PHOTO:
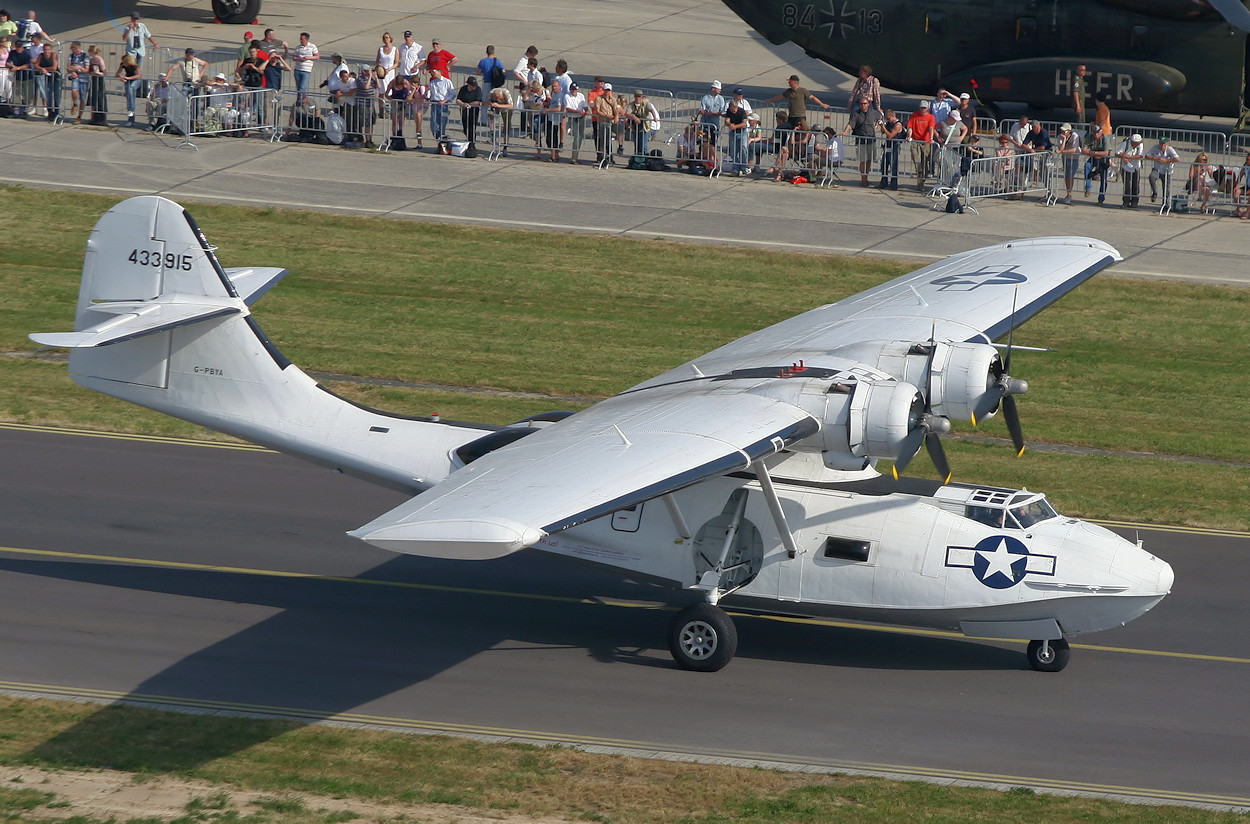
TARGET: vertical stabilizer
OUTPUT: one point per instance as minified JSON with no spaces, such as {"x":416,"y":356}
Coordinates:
{"x":161,"y":324}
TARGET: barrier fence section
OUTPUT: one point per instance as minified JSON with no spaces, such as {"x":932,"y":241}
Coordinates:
{"x":195,"y":112}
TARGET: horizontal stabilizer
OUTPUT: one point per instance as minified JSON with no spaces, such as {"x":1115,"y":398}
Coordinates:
{"x":462,"y":540}
{"x":126,"y":320}
{"x":253,"y":282}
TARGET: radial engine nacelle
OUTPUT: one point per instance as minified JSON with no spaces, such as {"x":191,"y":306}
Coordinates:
{"x":963,"y":381}
{"x":860,"y":419}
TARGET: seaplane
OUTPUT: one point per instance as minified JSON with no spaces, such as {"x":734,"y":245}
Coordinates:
{"x":746,"y":477}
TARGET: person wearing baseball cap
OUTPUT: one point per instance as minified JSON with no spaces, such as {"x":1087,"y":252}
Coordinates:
{"x":796,"y":98}
{"x":712,"y":108}
{"x":922,"y":129}
{"x":411,"y":57}
{"x":1069,"y":149}
{"x":134,"y":36}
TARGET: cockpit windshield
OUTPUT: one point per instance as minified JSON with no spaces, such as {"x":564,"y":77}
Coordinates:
{"x":1031,"y":509}
{"x":1028,"y":513}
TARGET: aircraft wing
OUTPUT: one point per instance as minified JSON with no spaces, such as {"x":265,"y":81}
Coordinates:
{"x":621,"y":452}
{"x":716,"y":414}
{"x":973,"y":296}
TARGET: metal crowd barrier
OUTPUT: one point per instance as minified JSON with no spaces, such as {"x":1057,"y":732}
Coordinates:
{"x":206,"y":111}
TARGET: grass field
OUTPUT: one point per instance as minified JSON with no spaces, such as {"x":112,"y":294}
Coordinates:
{"x":510,"y":782}
{"x":1138,"y":365}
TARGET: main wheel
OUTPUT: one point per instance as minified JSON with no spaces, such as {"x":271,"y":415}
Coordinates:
{"x":1048,"y":656}
{"x":702,"y":638}
{"x":236,"y":11}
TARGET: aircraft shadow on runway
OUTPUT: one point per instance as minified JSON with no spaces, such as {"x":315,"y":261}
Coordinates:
{"x":337,"y":646}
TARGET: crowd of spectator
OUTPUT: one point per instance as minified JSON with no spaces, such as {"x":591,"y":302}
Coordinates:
{"x":371,"y":103}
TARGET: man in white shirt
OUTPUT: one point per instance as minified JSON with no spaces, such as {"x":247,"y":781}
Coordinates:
{"x":575,"y":108}
{"x":1131,"y":153}
{"x":442,"y":92}
{"x":304,"y":55}
{"x":411,"y":57}
{"x":521,"y":72}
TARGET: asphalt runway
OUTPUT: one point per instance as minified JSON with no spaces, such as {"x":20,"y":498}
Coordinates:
{"x":220,"y":578}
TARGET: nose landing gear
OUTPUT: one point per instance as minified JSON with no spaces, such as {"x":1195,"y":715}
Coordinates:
{"x":1048,"y":656}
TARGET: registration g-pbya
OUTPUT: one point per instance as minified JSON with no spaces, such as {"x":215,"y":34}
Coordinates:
{"x":746,"y":476}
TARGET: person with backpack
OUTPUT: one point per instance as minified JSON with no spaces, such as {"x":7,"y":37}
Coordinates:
{"x":27,"y":29}
{"x":492,"y":71}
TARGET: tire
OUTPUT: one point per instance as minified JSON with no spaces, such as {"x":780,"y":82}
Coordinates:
{"x":1055,"y":657}
{"x":702,"y":638}
{"x":236,"y":11}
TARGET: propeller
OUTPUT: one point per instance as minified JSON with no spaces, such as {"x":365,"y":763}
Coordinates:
{"x":1002,"y":390}
{"x":928,"y":426}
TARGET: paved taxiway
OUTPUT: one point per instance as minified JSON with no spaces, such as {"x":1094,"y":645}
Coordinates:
{"x":220,"y":577}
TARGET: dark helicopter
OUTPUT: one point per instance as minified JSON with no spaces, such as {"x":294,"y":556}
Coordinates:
{"x":1184,"y":56}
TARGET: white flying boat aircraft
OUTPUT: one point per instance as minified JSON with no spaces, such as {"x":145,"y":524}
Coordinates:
{"x":747,"y":473}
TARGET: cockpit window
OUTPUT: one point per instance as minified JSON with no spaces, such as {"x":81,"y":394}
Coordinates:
{"x":988,"y":515}
{"x":1038,"y":509}
{"x":1020,"y":516}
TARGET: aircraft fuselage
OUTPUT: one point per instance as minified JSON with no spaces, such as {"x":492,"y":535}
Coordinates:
{"x":1171,"y":55}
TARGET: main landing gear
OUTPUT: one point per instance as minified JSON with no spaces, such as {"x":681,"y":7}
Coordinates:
{"x":702,"y":638}
{"x":1048,"y":656}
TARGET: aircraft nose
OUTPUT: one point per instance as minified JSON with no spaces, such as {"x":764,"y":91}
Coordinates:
{"x":1166,"y":577}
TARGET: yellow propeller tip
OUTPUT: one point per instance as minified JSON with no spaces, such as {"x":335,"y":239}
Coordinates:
{"x":894,"y":469}
{"x":1020,"y":453}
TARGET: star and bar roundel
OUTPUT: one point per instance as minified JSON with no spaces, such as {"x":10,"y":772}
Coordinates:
{"x":1000,"y":561}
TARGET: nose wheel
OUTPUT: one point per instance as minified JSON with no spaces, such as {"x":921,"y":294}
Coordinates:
{"x":1048,"y":656}
{"x":702,"y":638}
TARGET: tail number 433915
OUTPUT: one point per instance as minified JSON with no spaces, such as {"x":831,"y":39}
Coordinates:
{"x":144,"y":257}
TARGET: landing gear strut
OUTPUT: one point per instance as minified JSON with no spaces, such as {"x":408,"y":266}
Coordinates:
{"x":1048,"y":656}
{"x":702,"y":638}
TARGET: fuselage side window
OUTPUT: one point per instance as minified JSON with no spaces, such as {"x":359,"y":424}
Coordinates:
{"x":846,"y":549}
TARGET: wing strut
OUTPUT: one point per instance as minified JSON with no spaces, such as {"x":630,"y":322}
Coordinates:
{"x":710,"y":581}
{"x":679,"y":520}
{"x":774,"y":506}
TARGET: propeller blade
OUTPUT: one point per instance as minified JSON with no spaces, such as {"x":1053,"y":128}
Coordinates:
{"x":911,"y":445}
{"x":988,"y":405}
{"x":938,"y":455}
{"x":1012,"y":418}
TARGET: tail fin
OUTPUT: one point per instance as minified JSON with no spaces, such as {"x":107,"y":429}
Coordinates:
{"x":161,"y":324}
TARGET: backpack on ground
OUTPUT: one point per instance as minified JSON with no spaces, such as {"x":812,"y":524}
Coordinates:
{"x":398,"y":144}
{"x":953,"y":205}
{"x":637,"y":162}
{"x":655,"y":161}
